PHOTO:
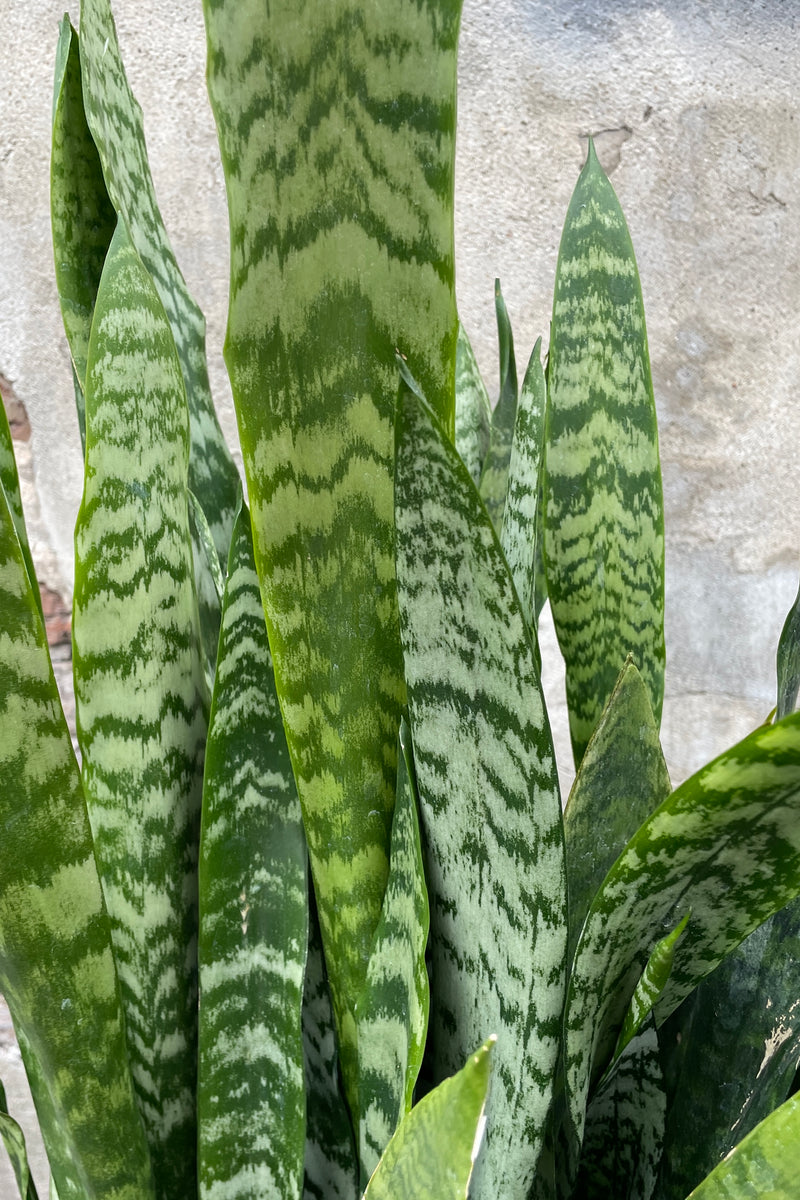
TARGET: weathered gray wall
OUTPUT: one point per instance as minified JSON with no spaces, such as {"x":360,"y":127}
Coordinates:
{"x":696,"y":112}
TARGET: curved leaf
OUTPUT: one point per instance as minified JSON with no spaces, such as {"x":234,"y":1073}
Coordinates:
{"x":651,"y":985}
{"x":433,"y":1152}
{"x":726,"y":844}
{"x":491,"y":813}
{"x":9,"y":482}
{"x":765,"y":1166}
{"x":14,"y":1141}
{"x":494,"y":476}
{"x":339,"y":118}
{"x":141,"y":701}
{"x":253,"y":917}
{"x":115,"y":121}
{"x":56,"y":965}
{"x":604,"y":523}
{"x":789,"y":661}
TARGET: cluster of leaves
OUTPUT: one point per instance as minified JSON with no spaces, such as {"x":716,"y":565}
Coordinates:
{"x":349,"y":681}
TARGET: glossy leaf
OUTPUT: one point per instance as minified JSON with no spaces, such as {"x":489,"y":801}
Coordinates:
{"x":521,"y":516}
{"x":731,"y":1050}
{"x":14,"y":1141}
{"x":141,"y":699}
{"x":115,"y":121}
{"x":473,"y":411}
{"x":432,"y":1155}
{"x":789,"y":661}
{"x":491,"y":814}
{"x":253,"y":917}
{"x":765,"y":1166}
{"x":625,"y":1126}
{"x":392,"y":1012}
{"x":331,"y":1171}
{"x":82,"y":216}
{"x":336,"y":124}
{"x":621,"y":779}
{"x":725,"y":845}
{"x":604,"y":524}
{"x":494,"y":477}
{"x":56,"y":965}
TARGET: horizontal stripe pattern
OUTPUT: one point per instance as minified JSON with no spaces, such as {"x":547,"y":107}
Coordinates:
{"x":141,"y":700}
{"x":253,"y":918}
{"x":604,"y":524}
{"x":56,"y":965}
{"x":491,"y":814}
{"x":336,"y":127}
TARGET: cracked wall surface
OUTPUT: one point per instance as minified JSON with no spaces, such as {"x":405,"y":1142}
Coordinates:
{"x":696,"y":113}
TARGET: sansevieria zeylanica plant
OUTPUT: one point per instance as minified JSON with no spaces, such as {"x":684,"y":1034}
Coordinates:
{"x":308,"y":921}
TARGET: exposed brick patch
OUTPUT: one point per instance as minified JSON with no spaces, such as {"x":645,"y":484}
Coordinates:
{"x":15,"y":411}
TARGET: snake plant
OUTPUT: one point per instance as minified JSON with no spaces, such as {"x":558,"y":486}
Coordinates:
{"x":308,"y":919}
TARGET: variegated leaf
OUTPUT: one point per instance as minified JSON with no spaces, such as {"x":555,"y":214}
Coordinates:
{"x":209,"y":582}
{"x":650,"y":988}
{"x":604,"y":524}
{"x":473,"y":411}
{"x":392,"y":1012}
{"x":14,"y":1141}
{"x":140,"y":695}
{"x":81,"y":214}
{"x":625,"y":1126}
{"x":431,"y":1157}
{"x":491,"y":813}
{"x":789,"y":661}
{"x":56,"y":965}
{"x":494,"y":476}
{"x":731,"y":1051}
{"x":621,"y":779}
{"x":764,"y":1166}
{"x":253,"y":918}
{"x":115,"y":121}
{"x":9,"y":482}
{"x":521,"y":525}
{"x":725,"y":845}
{"x":336,"y":123}
{"x":331,"y":1170}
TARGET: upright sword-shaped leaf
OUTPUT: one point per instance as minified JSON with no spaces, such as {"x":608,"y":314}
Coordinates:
{"x":789,"y":661}
{"x":140,"y":694}
{"x":253,"y":917}
{"x":473,"y":412}
{"x":115,"y":121}
{"x":604,"y":523}
{"x":336,"y":123}
{"x":56,"y":965}
{"x":491,"y":813}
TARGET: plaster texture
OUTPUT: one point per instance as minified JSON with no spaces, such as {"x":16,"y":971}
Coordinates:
{"x":695,"y":109}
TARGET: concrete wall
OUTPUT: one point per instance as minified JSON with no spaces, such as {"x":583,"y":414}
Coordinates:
{"x":695,"y":108}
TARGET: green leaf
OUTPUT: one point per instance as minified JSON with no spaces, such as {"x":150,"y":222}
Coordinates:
{"x":9,"y":482}
{"x":338,"y":156}
{"x":14,"y":1141}
{"x":331,"y":1171}
{"x":731,"y":1050}
{"x":115,"y":121}
{"x":473,"y":411}
{"x":789,"y":661}
{"x":494,"y":477}
{"x":81,"y":213}
{"x":253,"y":917}
{"x":392,"y":1012}
{"x":604,"y":523}
{"x":765,"y":1166}
{"x":651,"y":985}
{"x":140,"y":694}
{"x":726,"y":844}
{"x":56,"y":965}
{"x":432,"y":1155}
{"x":519,"y":535}
{"x":491,"y":814}
{"x":209,"y":582}
{"x":621,"y":779}
{"x":625,"y":1126}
